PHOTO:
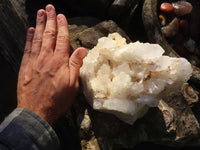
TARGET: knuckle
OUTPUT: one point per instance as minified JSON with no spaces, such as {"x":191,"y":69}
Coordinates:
{"x":62,"y":23}
{"x":37,"y":39}
{"x":29,"y":37}
{"x":75,"y":63}
{"x":51,"y":16}
{"x":27,"y":51}
{"x":61,"y":50}
{"x":50,"y":33}
{"x":62,"y":38}
{"x":40,"y":21}
{"x":46,"y":48}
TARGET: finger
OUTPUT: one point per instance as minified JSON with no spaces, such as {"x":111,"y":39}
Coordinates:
{"x":49,"y":35}
{"x":75,"y":63}
{"x":62,"y":43}
{"x":27,"y":50}
{"x":37,"y":40}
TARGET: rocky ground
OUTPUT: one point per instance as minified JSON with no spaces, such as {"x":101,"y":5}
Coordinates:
{"x":174,"y":124}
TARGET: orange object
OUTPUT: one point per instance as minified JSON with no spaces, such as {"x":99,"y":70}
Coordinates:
{"x":162,"y":20}
{"x":167,"y":8}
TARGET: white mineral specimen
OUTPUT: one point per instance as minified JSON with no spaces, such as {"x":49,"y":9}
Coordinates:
{"x":126,"y":79}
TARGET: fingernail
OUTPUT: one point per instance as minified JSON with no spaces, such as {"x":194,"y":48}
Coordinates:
{"x":60,"y":17}
{"x":31,"y":30}
{"x":40,"y":13}
{"x":81,"y":53}
{"x":49,"y":8}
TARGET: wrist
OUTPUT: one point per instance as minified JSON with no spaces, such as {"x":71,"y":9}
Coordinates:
{"x":45,"y":115}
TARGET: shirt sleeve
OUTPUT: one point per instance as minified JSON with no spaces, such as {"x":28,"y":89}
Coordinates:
{"x":25,"y":130}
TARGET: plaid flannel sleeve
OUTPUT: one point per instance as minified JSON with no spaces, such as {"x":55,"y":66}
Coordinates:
{"x":24,"y":130}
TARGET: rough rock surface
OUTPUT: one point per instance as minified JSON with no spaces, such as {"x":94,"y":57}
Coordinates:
{"x":20,"y":9}
{"x":98,"y":31}
{"x":174,"y":122}
{"x":13,"y":30}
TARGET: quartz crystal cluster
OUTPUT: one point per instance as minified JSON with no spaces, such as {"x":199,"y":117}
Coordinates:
{"x":126,"y":79}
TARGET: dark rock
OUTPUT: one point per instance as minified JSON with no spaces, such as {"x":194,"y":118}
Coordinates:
{"x":172,"y":123}
{"x":87,"y":21}
{"x":171,"y":29}
{"x":13,"y":32}
{"x":90,"y":36}
{"x":190,"y":95}
{"x":74,"y":32}
{"x":152,"y":27}
{"x":118,"y":8}
{"x":20,"y":7}
{"x":182,"y":8}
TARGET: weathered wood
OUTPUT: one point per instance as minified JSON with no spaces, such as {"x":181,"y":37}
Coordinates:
{"x":13,"y":33}
{"x":20,"y":8}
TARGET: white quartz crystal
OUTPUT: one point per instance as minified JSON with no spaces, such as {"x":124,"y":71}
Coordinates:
{"x":126,"y":79}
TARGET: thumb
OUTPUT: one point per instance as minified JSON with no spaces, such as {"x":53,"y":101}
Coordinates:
{"x":75,"y":63}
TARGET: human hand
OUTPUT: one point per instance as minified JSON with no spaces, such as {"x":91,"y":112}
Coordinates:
{"x":48,"y":77}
